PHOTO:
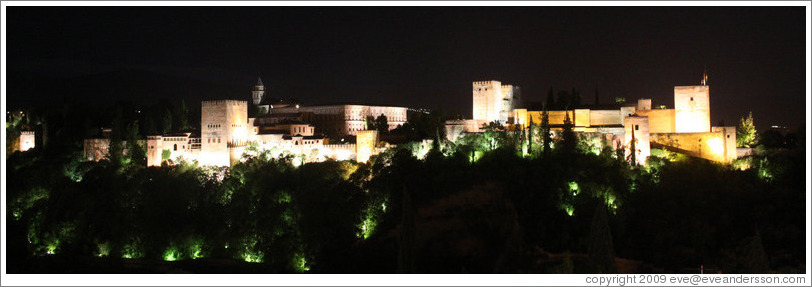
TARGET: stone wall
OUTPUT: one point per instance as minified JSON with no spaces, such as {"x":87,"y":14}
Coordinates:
{"x":346,"y":119}
{"x":224,"y":124}
{"x":154,"y":150}
{"x":605,"y":118}
{"x":581,"y":117}
{"x":659,"y":120}
{"x":487,"y":99}
{"x":729,"y":138}
{"x":365,"y":145}
{"x":709,"y":145}
{"x":692,"y":109}
{"x":640,"y":127}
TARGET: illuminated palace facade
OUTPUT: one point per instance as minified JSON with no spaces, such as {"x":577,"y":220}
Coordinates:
{"x":335,"y":119}
{"x":685,"y":128}
{"x":227,"y":133}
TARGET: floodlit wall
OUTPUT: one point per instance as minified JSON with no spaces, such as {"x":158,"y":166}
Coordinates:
{"x":643,"y":104}
{"x":640,"y":127}
{"x":581,"y":117}
{"x":520,"y":118}
{"x":455,"y":128}
{"x":179,"y":146}
{"x":510,"y":99}
{"x":27,"y":140}
{"x":604,"y":118}
{"x":709,"y":145}
{"x":341,"y":151}
{"x":625,"y":112}
{"x":557,"y":117}
{"x":487,"y":98}
{"x":365,"y":145}
{"x":729,"y":139}
{"x":154,"y":150}
{"x":659,"y":120}
{"x":692,"y":109}
{"x":224,"y":124}
{"x":346,"y":119}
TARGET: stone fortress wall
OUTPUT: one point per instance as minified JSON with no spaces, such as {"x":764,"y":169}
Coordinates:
{"x":226,"y":130}
{"x":671,"y":129}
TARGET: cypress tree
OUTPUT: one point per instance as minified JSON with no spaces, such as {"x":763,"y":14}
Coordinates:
{"x":550,"y":99}
{"x":545,"y":131}
{"x":568,"y":139}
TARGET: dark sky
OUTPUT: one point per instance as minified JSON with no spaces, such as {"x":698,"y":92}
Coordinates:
{"x":428,"y":56}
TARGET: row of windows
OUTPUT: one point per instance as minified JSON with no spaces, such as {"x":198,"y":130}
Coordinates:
{"x":174,"y":147}
{"x":211,"y":140}
{"x":212,"y":126}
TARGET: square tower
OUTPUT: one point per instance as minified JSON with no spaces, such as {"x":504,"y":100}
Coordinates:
{"x":223,"y":128}
{"x":487,"y":100}
{"x":27,"y":140}
{"x":691,"y":109}
{"x":637,"y":127}
{"x":154,"y":150}
{"x":510,"y":99}
{"x":365,"y":142}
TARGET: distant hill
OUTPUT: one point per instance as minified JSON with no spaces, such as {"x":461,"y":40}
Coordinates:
{"x":27,"y":89}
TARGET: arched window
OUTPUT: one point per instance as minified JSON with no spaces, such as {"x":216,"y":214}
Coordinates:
{"x":176,"y":147}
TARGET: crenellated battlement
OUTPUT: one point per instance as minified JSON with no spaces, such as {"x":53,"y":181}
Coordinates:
{"x":224,"y":102}
{"x":154,"y":137}
{"x":486,"y":83}
{"x":27,"y":133}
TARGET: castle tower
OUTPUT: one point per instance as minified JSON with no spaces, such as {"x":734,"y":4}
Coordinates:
{"x":27,"y":140}
{"x":487,"y":100}
{"x":692,"y":109}
{"x":259,"y":92}
{"x":154,"y":150}
{"x":639,"y":126}
{"x":365,"y":142}
{"x":223,"y":131}
{"x":511,"y":95}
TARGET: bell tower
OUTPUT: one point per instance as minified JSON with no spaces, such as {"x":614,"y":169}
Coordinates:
{"x":259,"y":92}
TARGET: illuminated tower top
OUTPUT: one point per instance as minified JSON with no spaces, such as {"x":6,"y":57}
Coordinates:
{"x":259,"y":92}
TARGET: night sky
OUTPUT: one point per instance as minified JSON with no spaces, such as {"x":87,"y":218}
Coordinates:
{"x":422,"y":57}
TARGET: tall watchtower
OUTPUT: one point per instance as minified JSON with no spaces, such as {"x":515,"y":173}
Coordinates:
{"x":487,"y":100}
{"x":223,"y":131}
{"x":692,"y":109}
{"x":259,"y":92}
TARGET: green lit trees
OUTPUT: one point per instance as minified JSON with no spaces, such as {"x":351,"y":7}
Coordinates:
{"x":746,"y":132}
{"x":546,"y":139}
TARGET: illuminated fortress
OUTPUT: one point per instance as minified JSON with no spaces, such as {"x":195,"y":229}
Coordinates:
{"x":685,"y":129}
{"x":227,"y":132}
{"x":290,"y":130}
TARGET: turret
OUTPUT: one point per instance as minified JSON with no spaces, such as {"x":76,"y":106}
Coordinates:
{"x":259,"y":92}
